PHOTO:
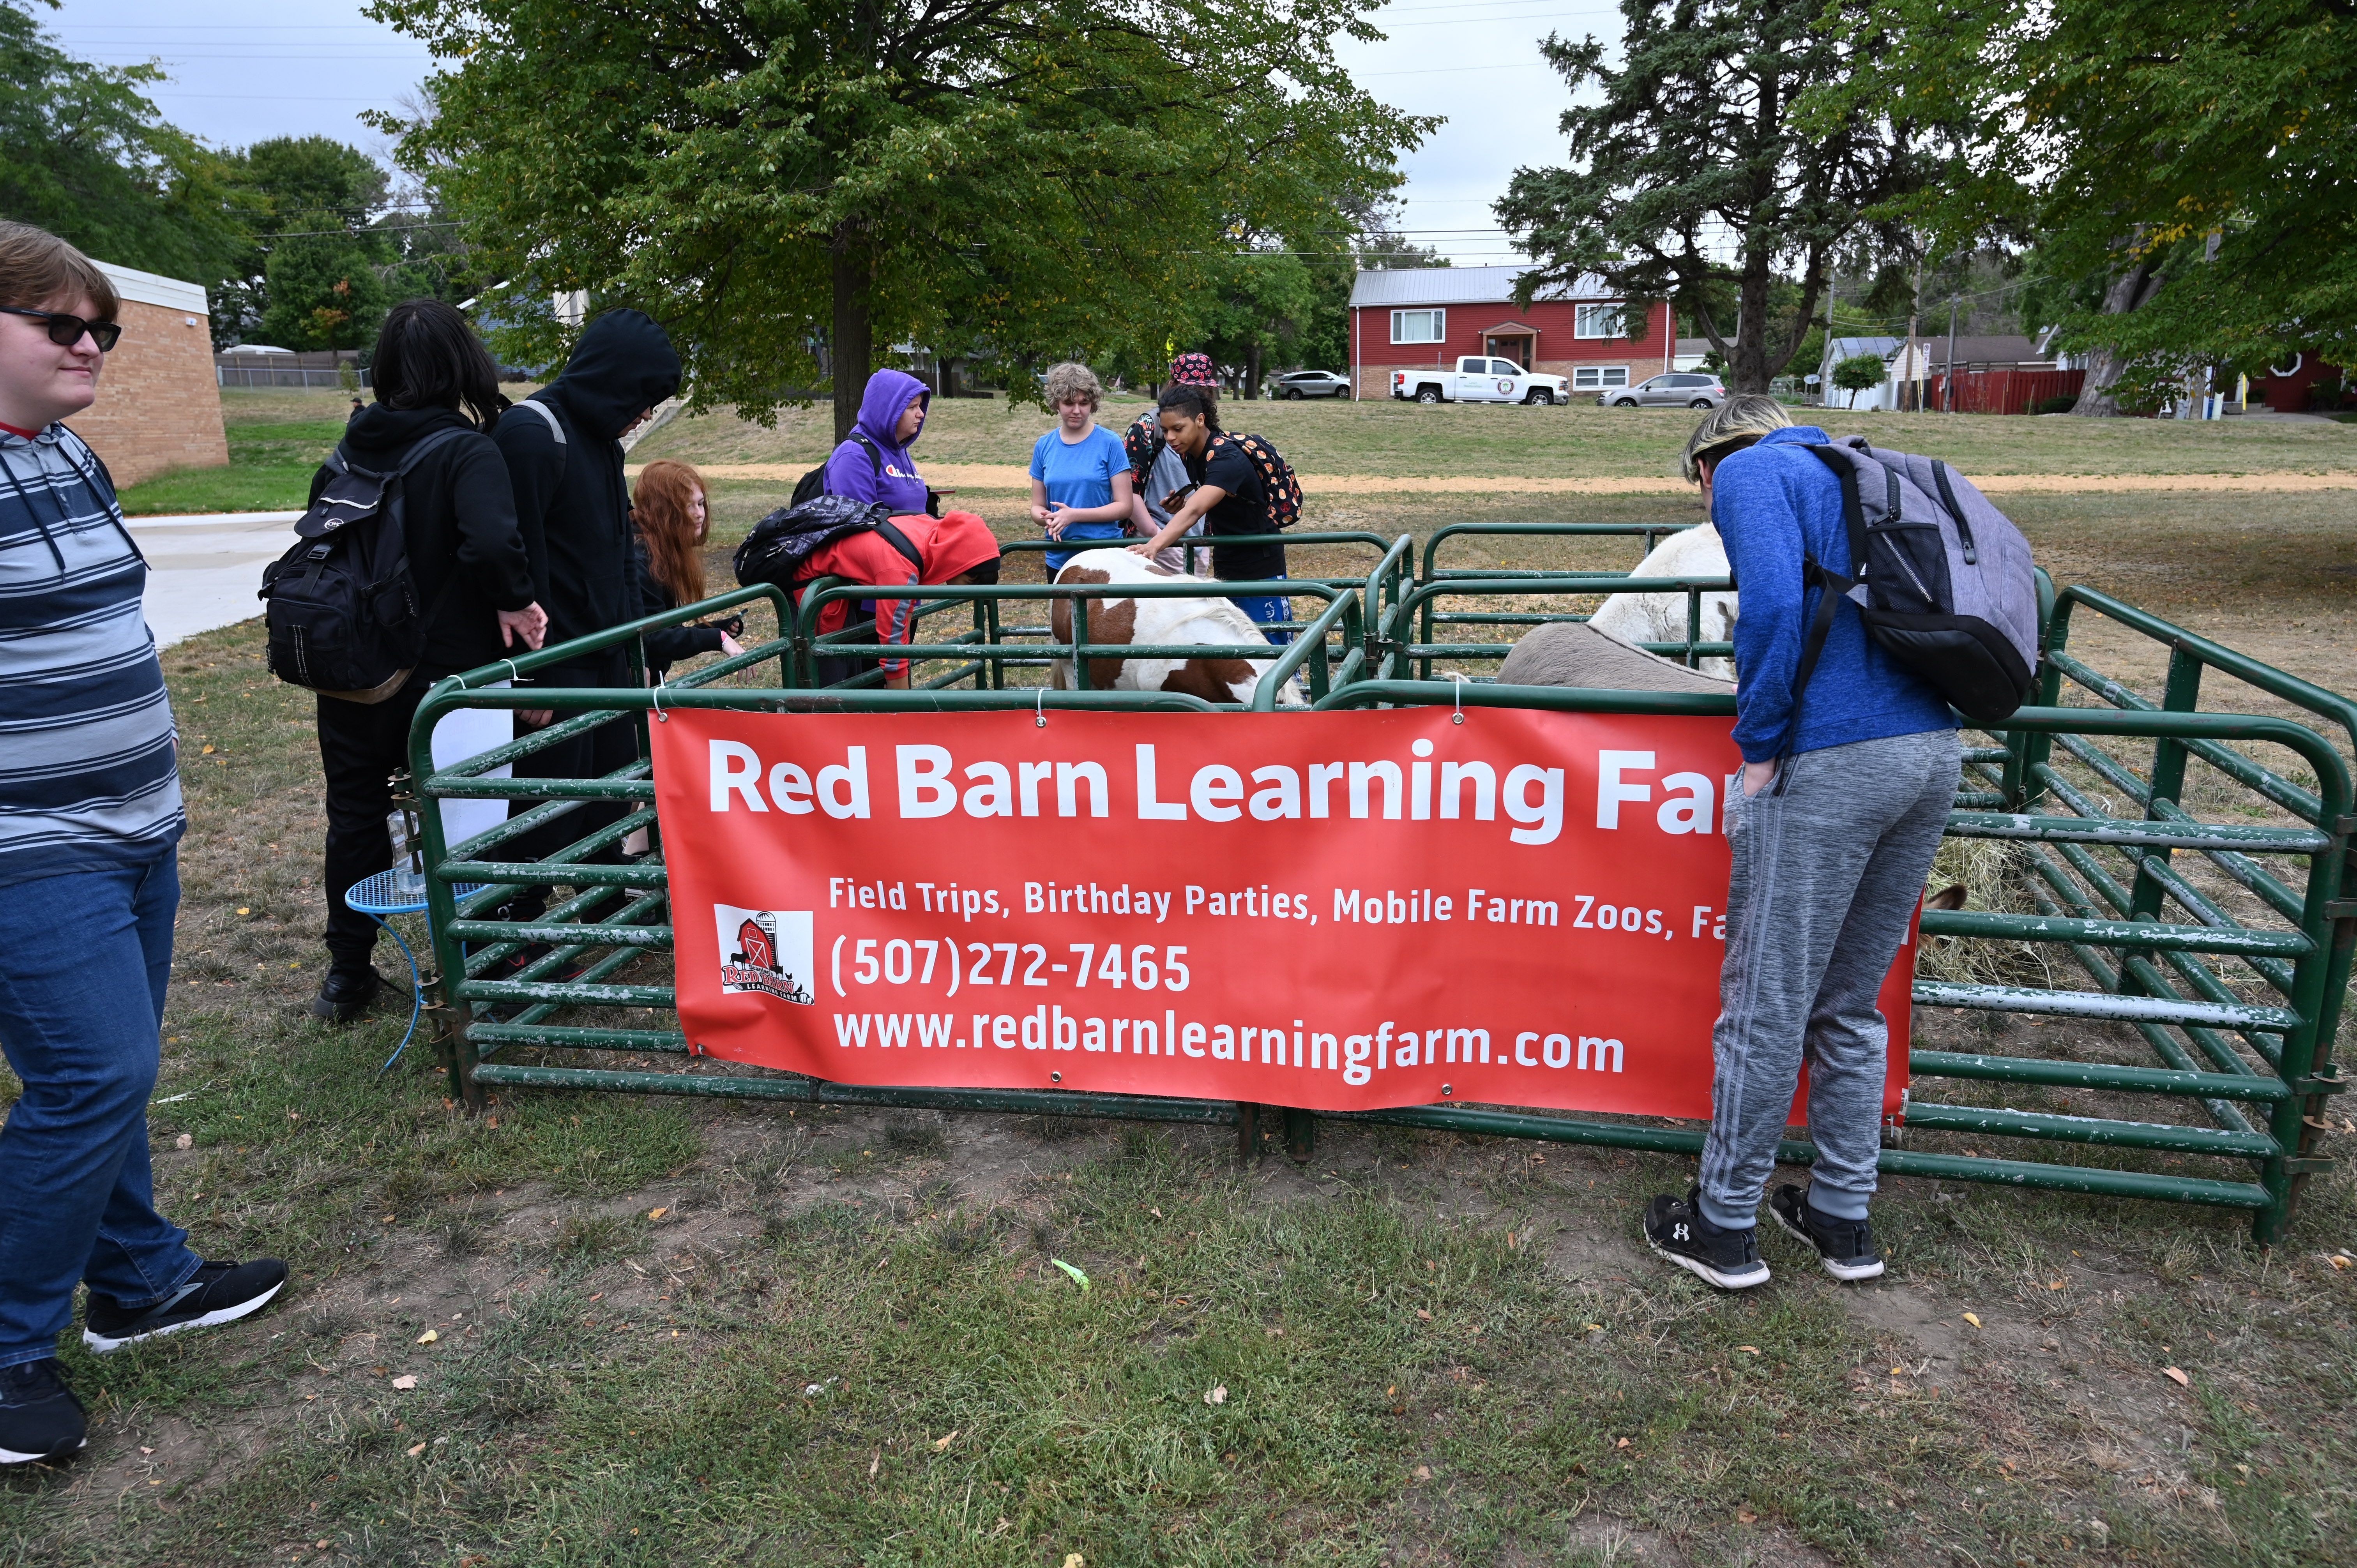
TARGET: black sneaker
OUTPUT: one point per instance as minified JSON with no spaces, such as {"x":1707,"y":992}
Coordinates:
{"x":1846,"y":1247}
{"x":217,"y":1292}
{"x":1728,"y":1259}
{"x":345,"y":995}
{"x":40,"y":1417}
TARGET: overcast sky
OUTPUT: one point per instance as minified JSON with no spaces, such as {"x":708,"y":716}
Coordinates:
{"x":244,"y":69}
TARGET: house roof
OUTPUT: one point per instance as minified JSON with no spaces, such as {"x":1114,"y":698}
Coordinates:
{"x":1842,"y":349}
{"x":154,"y":288}
{"x":1509,"y":327}
{"x":1460,"y":285}
{"x":2001,"y":349}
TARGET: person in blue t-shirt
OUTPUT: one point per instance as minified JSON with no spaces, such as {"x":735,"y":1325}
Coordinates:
{"x":1080,"y":471}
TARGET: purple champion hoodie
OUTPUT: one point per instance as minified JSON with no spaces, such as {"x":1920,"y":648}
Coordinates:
{"x":850,"y":471}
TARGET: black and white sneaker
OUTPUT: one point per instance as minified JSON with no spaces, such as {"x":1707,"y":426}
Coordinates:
{"x":1846,"y":1247}
{"x":1728,"y":1259}
{"x":40,"y":1417}
{"x":217,"y":1292}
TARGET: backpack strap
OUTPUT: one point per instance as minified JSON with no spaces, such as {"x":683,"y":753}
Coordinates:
{"x":1948,"y":499}
{"x":874,"y":454}
{"x":1831,"y":588}
{"x":899,"y":542}
{"x":555,"y":426}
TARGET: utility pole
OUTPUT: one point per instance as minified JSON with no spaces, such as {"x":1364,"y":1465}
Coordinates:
{"x":1951,"y":353}
{"x":1914,"y":326}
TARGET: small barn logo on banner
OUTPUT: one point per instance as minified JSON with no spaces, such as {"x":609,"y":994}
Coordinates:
{"x":767,"y":950}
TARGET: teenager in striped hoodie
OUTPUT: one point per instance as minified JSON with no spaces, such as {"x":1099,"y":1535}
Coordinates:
{"x":90,"y":813}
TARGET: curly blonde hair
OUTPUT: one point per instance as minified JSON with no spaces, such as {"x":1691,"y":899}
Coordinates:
{"x":1734,"y":424}
{"x":1071,"y":380}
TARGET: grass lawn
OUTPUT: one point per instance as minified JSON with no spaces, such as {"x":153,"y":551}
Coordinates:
{"x":277,"y":440}
{"x":1476,"y":440}
{"x":648,"y":1331}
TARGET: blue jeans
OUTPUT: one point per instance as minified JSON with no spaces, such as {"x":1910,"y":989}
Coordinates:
{"x":1265,"y":609}
{"x":77,"y":1198}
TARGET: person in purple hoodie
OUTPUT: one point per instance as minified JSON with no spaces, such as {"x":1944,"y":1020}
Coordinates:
{"x":874,"y":465}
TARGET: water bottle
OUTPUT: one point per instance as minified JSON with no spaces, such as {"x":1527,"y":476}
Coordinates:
{"x":408,"y":863}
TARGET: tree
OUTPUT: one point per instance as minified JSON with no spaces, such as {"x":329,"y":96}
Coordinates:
{"x":767,"y":177}
{"x":1692,"y":153}
{"x":324,"y":292}
{"x":319,"y":195}
{"x":2182,"y":170}
{"x":1861,"y":373}
{"x":84,"y":154}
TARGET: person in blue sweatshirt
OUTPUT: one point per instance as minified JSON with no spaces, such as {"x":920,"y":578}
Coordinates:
{"x":1845,"y":788}
{"x":873,"y":463}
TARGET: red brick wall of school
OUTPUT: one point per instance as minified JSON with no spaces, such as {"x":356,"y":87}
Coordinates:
{"x":158,"y":406}
{"x":1374,"y":356}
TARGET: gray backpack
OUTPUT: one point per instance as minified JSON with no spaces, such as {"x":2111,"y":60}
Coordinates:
{"x":1941,"y":577}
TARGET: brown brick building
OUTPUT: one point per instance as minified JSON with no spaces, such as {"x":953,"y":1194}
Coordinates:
{"x":158,"y":399}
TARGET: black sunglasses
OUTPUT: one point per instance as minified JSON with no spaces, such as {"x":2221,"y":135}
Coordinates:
{"x":66,"y":331}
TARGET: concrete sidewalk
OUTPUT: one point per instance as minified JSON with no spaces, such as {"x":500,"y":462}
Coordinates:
{"x":203,"y":570}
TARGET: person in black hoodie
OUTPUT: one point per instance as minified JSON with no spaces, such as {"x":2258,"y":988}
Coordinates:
{"x":473,"y":573}
{"x":564,"y":451}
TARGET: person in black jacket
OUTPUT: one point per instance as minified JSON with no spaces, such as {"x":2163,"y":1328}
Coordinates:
{"x":563,"y":452}
{"x":669,"y":511}
{"x":473,"y":573}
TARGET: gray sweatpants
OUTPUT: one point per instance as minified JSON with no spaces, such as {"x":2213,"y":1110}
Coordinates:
{"x":1824,"y":881}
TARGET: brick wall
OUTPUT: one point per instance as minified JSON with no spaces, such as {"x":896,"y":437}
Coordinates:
{"x":158,"y":406}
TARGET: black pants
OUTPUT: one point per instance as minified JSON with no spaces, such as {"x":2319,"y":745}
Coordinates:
{"x":600,"y":751}
{"x":360,"y":746}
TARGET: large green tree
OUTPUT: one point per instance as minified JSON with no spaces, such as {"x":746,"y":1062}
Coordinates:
{"x":84,"y":154}
{"x":317,"y":196}
{"x":776,"y":178}
{"x":1689,"y":180}
{"x":2184,"y":175}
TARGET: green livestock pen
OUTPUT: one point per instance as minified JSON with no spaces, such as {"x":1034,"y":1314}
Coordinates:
{"x":2178,"y":876}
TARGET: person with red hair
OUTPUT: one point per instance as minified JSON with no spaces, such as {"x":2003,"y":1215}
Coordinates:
{"x":670,"y":514}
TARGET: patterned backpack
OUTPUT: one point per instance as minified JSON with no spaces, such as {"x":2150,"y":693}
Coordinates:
{"x":1280,"y":488}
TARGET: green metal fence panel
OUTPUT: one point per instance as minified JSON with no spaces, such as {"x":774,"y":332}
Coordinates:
{"x":2223,"y":946}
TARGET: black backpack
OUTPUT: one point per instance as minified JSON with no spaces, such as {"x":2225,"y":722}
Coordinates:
{"x":813,"y":485}
{"x":342,"y":612}
{"x":781,"y":543}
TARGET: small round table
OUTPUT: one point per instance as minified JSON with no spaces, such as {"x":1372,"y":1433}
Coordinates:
{"x":400,"y":891}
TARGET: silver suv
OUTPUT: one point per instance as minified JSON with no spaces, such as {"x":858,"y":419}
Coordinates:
{"x":1679,"y":389}
{"x":1310,"y":384}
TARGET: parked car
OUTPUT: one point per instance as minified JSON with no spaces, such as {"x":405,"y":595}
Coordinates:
{"x":1310,"y":384}
{"x":1679,"y":389}
{"x":1479,"y":379}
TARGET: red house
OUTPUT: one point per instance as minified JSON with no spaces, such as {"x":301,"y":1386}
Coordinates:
{"x":1430,"y":315}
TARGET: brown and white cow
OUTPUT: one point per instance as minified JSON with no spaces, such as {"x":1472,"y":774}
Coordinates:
{"x":1213,"y":620}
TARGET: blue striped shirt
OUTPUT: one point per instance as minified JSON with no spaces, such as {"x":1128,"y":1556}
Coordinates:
{"x":89,"y":756}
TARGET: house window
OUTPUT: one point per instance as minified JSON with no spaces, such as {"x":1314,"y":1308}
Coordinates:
{"x":1597,"y":377}
{"x":1597,"y":321}
{"x":1419,"y":326}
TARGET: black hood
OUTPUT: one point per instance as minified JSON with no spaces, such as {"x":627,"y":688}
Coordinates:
{"x":381,"y":434}
{"x":623,"y":366}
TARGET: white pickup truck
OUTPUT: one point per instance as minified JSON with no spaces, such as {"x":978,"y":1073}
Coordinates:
{"x":1479,"y":379}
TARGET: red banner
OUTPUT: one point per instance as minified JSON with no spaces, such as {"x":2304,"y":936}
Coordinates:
{"x":1338,"y":911}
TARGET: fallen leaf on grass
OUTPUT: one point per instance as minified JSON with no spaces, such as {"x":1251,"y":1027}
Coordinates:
{"x":2338,"y":1260}
{"x":419,"y":1449}
{"x":187,"y":1141}
{"x":941,"y":1443}
{"x":874,"y":1460}
{"x":1423,"y":1472}
{"x":1075,"y":1559}
{"x":1155,"y":1212}
{"x":430,"y":1336}
{"x":1974,"y":1318}
{"x":1747,"y":1517}
{"x":405,"y":1382}
{"x":657,"y":1213}
{"x":2174,"y":1376}
{"x":1216,"y":1396}
{"x":2057,"y":1285}
{"x":1748,"y":1349}
{"x":1593,"y":1328}
{"x":1079,"y":1278}
{"x":1624,"y":1442}
{"x":1425,"y":1316}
